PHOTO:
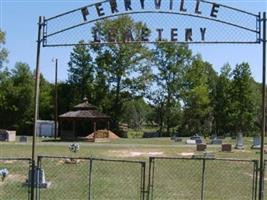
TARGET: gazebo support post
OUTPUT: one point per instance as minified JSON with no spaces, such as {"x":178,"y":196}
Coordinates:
{"x":94,"y":126}
{"x":73,"y":129}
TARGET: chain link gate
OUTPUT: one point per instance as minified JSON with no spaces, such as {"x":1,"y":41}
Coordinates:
{"x":15,"y":185}
{"x":91,"y":178}
{"x":201,"y":178}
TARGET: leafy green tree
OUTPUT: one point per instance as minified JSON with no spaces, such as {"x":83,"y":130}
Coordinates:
{"x":135,"y":113}
{"x":64,"y":97}
{"x":170,"y":61}
{"x":243,"y":111}
{"x":22,"y":96}
{"x":257,"y":95}
{"x":222,"y":105}
{"x":81,"y":72}
{"x":3,"y":51}
{"x":46,"y":105}
{"x":126,"y":67}
{"x":6,"y":92}
{"x":198,"y":110}
{"x":102,"y":96}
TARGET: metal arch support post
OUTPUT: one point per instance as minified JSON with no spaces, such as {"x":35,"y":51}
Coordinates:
{"x":36,"y":103}
{"x":261,"y":183}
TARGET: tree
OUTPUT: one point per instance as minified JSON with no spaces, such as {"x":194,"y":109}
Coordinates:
{"x":135,"y":113}
{"x":170,"y":61}
{"x":243,"y":111}
{"x":222,"y":105}
{"x":3,"y":51}
{"x":125,"y":67}
{"x":198,"y":110}
{"x":23,"y":84}
{"x":46,"y":106}
{"x":81,"y":72}
{"x":6,"y":92}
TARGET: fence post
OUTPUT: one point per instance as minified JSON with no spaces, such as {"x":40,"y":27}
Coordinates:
{"x":203,"y":179}
{"x":38,"y":166}
{"x":255,"y":180}
{"x":90,"y":178}
{"x":150,"y":176}
{"x":143,"y":182}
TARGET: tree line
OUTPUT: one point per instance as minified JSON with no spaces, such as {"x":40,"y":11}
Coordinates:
{"x":163,"y":85}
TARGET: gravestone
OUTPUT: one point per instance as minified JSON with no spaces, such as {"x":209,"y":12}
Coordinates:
{"x":213,"y":136}
{"x":39,"y":178}
{"x":199,"y":141}
{"x":7,"y":136}
{"x":239,"y":141}
{"x":216,"y":141}
{"x":256,"y":142}
{"x":195,"y":137}
{"x":3,"y":135}
{"x":226,"y":147}
{"x":190,"y":141}
{"x":177,"y":139}
{"x":201,"y":147}
{"x":23,"y":139}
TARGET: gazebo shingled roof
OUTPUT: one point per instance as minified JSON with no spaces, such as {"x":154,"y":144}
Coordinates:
{"x":84,"y":110}
{"x":84,"y":114}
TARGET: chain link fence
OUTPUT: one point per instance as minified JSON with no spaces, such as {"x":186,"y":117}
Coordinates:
{"x":205,"y":179}
{"x":91,"y":178}
{"x":13,"y":177}
{"x":66,"y":178}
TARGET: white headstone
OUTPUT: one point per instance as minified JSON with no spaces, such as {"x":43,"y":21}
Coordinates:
{"x":256,"y":142}
{"x":239,"y":141}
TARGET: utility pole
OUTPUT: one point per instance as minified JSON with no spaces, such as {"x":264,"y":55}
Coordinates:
{"x":56,"y":100}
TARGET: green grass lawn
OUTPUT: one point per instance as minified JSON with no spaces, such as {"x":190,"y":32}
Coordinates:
{"x":173,"y":179}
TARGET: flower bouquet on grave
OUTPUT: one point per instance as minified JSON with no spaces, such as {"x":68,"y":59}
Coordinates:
{"x":3,"y":174}
{"x":73,"y":148}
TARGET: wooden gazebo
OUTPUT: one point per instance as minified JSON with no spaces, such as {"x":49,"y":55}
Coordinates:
{"x":82,"y":121}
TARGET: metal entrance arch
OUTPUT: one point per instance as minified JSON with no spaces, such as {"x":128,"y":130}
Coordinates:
{"x":180,"y":21}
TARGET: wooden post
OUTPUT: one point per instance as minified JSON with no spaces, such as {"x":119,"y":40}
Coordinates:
{"x":73,"y":129}
{"x":94,"y":126}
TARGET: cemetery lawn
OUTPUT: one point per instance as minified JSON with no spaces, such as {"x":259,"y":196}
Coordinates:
{"x":231,"y":181}
{"x":125,"y":149}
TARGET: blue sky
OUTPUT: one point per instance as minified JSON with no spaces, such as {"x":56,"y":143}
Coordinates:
{"x":18,"y":18}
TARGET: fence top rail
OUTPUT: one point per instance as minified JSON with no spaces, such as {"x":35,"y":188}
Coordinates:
{"x":14,"y":158}
{"x":91,"y":159}
{"x":119,"y":160}
{"x":63,"y":157}
{"x":217,"y":159}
